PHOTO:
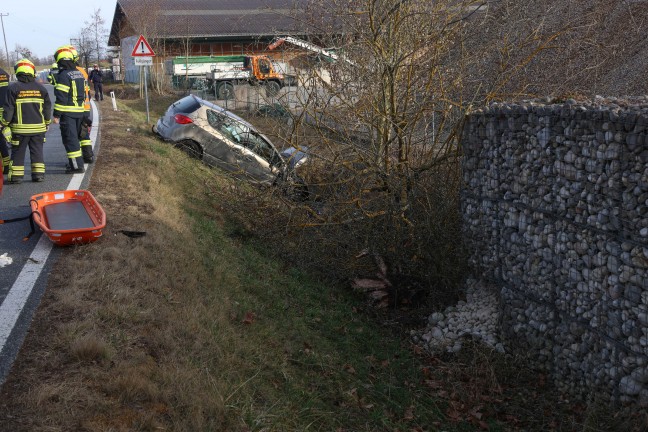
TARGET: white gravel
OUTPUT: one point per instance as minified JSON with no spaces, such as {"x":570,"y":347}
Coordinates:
{"x":475,"y":318}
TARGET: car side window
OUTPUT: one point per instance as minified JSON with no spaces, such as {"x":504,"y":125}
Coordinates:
{"x":214,"y":119}
{"x":224,"y":125}
{"x":262,"y":148}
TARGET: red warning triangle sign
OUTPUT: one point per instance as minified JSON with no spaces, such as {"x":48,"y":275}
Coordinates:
{"x":142,"y":48}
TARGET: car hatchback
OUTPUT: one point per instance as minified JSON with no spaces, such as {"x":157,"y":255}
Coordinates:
{"x":221,"y":138}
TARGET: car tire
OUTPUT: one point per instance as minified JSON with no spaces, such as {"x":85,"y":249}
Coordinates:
{"x":191,"y":148}
{"x":272,"y":88}
{"x":154,"y":129}
{"x":225,"y":91}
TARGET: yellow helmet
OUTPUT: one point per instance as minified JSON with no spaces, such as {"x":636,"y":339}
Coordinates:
{"x":75,"y":54}
{"x":25,"y":66}
{"x":64,"y":53}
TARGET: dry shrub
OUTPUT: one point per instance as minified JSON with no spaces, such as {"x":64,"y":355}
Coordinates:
{"x":135,"y":383}
{"x":326,"y":234}
{"x":90,"y":348}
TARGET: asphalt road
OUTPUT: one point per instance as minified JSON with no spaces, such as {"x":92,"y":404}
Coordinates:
{"x":25,"y":265}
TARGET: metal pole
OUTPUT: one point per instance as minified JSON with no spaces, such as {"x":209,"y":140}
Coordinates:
{"x":148,"y":120}
{"x":5,"y":37}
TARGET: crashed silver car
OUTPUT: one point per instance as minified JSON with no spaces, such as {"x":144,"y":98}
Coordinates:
{"x":222,"y":139}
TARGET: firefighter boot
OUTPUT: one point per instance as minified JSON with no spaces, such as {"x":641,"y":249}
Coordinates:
{"x":16,"y":174}
{"x":74,"y":166}
{"x":38,"y":172}
{"x":88,"y":154}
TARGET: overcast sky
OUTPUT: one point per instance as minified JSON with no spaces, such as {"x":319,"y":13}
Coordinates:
{"x":44,"y":25}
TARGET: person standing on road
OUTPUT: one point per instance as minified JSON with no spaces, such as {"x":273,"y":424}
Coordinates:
{"x":96,"y":78}
{"x":69,"y":110}
{"x":51,"y":76}
{"x":4,"y":143}
{"x":27,"y":112}
{"x":84,"y":133}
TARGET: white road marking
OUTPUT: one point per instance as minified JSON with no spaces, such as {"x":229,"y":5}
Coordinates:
{"x":13,"y":304}
{"x":15,"y":301}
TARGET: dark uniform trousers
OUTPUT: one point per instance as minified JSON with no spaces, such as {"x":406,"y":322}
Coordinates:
{"x":84,"y":141}
{"x":20,"y":143}
{"x":71,"y":125}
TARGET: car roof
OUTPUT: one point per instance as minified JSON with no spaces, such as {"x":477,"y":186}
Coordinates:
{"x":222,"y":110}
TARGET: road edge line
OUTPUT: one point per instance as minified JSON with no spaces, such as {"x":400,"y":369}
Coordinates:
{"x":24,"y":284}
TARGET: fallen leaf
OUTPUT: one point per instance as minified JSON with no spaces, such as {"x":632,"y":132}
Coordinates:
{"x":349,"y":368}
{"x":453,"y":415}
{"x":249,"y":318}
{"x":379,"y":294}
{"x":368,"y":284}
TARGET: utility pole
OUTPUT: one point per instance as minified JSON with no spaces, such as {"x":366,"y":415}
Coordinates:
{"x":5,"y":37}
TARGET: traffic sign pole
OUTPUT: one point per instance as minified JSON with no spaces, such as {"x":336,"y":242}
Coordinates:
{"x":148,"y":119}
{"x":143,"y":56}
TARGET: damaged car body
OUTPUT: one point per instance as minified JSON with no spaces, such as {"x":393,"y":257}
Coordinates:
{"x":222,"y":139}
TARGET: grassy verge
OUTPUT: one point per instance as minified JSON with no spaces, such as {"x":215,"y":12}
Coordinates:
{"x":191,"y":327}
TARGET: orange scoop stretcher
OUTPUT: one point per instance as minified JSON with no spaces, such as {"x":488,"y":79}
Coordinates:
{"x":68,"y":217}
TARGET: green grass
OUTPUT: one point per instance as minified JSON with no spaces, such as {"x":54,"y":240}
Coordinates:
{"x":312,"y":361}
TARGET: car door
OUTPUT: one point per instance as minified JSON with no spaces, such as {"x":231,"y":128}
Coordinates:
{"x":260,"y":159}
{"x":223,"y":148}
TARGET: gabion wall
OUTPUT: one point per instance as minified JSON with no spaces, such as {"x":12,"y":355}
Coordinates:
{"x":555,"y":207}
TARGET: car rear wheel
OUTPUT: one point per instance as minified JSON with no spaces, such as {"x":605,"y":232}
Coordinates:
{"x":154,"y":129}
{"x":191,"y":148}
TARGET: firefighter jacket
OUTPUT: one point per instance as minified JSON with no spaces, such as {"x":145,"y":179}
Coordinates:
{"x":27,"y":107}
{"x":4,"y":85}
{"x":51,"y":77}
{"x":70,"y":92}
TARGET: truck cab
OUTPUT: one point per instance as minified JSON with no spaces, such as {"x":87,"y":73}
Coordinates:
{"x":261,"y":68}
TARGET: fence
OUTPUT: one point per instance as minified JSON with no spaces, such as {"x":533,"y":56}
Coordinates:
{"x":555,"y":206}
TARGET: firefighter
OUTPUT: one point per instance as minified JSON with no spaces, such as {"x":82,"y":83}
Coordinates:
{"x":51,"y":76}
{"x":4,"y":144}
{"x":27,"y":112}
{"x":69,"y":110}
{"x":84,"y":132}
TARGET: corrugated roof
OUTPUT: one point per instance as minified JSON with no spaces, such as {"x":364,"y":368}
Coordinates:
{"x":205,"y":18}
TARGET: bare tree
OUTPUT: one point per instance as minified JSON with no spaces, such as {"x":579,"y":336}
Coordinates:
{"x":384,"y":122}
{"x":21,"y":52}
{"x":95,"y":32}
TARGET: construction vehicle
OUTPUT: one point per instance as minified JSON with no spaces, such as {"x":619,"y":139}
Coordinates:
{"x":220,"y":73}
